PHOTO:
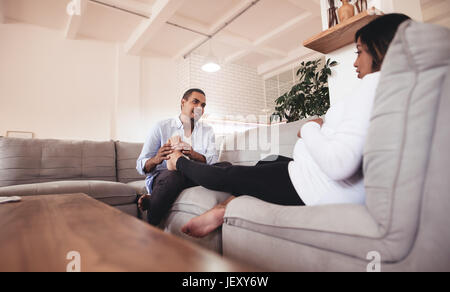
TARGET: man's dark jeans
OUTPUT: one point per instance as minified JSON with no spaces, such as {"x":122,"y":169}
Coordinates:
{"x":167,"y":186}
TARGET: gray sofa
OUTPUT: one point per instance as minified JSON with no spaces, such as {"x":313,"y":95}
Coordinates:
{"x":105,"y":171}
{"x":404,"y":224}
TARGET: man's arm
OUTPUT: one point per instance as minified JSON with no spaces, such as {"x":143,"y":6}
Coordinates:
{"x":146,"y":162}
{"x":210,"y":156}
{"x":340,"y":155}
{"x":163,"y":154}
{"x":187,"y":150}
{"x":194,"y":155}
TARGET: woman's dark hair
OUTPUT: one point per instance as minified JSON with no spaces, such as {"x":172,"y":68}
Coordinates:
{"x":378,"y":35}
{"x":188,"y":93}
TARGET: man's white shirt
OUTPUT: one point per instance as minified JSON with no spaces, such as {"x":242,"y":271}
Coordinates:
{"x":202,"y":141}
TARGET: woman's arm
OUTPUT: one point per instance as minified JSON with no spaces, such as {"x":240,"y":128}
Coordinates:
{"x":339,"y":155}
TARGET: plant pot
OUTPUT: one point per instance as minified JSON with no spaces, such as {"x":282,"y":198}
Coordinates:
{"x":346,"y":11}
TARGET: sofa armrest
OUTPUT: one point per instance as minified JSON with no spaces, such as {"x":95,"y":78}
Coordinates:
{"x":333,"y":227}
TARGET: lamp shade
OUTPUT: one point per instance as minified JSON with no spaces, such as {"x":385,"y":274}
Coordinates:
{"x":211,"y":67}
{"x":211,"y":64}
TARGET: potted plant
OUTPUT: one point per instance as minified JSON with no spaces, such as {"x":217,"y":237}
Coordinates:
{"x":309,"y":97}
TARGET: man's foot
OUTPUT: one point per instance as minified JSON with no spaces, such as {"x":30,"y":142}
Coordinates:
{"x":206,"y":223}
{"x":144,"y":202}
{"x":172,"y":162}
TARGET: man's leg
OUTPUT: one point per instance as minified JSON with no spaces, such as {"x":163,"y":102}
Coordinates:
{"x":166,"y":188}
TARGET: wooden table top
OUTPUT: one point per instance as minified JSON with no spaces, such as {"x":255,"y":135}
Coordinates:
{"x":38,"y":233}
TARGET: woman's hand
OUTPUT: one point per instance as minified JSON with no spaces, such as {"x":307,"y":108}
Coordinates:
{"x":318,"y":121}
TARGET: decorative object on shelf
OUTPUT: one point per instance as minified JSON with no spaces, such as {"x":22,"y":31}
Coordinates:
{"x":309,"y":97}
{"x":20,"y":134}
{"x":332,"y":16}
{"x":346,"y":11}
{"x":361,"y":5}
{"x":341,"y":35}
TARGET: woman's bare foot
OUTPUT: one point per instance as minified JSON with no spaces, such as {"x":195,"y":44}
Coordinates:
{"x":175,"y":140}
{"x":206,"y":223}
{"x":172,"y":162}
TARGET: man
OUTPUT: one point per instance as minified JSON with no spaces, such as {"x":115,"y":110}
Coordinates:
{"x":197,"y":143}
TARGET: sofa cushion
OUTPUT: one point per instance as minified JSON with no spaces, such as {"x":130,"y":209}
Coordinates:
{"x":111,"y":193}
{"x":253,"y":145}
{"x":127,"y":155}
{"x":400,"y":137}
{"x":139,"y":187}
{"x":25,"y":161}
{"x":191,"y":203}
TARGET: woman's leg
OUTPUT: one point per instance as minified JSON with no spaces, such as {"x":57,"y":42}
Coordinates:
{"x":273,"y":158}
{"x":268,"y":182}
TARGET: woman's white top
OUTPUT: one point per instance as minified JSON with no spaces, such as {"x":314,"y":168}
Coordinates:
{"x":327,"y":166}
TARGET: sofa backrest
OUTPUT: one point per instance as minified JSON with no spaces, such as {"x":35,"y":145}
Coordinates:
{"x":249,"y":147}
{"x":403,"y":133}
{"x":127,"y":155}
{"x":25,"y":161}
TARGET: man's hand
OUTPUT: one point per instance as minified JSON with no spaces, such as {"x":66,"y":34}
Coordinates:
{"x":187,"y":150}
{"x":318,"y":121}
{"x":163,"y":153}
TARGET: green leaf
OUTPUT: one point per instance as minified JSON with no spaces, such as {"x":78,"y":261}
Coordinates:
{"x":334,"y":63}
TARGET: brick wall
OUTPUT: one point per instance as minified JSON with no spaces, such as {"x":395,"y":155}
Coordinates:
{"x":234,"y":90}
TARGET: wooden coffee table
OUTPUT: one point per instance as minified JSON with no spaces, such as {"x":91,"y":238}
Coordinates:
{"x":38,"y":233}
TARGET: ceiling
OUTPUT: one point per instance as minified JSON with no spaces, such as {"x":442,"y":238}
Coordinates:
{"x":267,"y":36}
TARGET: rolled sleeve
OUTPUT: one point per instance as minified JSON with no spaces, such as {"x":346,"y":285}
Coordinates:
{"x":211,"y":152}
{"x":209,"y":145}
{"x":149,"y":150}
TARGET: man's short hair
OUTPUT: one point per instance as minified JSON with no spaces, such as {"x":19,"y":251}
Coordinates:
{"x":188,"y":93}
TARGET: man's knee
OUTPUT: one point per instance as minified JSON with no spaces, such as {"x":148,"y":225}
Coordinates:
{"x":170,"y":180}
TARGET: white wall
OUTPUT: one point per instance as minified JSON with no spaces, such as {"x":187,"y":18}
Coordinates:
{"x":54,"y":87}
{"x":80,"y":89}
{"x":161,"y":99}
{"x":127,"y":110}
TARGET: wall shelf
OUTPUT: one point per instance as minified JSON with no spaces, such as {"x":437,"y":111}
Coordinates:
{"x":342,"y":34}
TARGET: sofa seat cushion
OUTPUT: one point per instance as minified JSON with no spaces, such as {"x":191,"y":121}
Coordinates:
{"x":329,"y":227}
{"x":111,"y":193}
{"x":191,"y":203}
{"x":139,"y":187}
{"x":198,"y":200}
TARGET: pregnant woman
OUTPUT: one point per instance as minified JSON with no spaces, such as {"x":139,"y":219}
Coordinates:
{"x":326,"y":168}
